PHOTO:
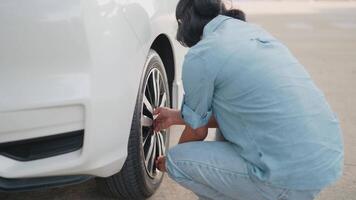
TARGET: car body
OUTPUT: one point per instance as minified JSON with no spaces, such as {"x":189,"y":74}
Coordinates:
{"x":76,"y":65}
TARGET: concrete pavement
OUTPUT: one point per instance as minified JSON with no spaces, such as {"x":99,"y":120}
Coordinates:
{"x":323,"y":36}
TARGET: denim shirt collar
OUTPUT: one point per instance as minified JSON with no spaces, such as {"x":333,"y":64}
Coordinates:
{"x":214,"y":24}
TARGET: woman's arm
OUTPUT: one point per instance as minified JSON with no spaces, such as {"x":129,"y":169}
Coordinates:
{"x":211,"y":124}
{"x":168,"y":117}
{"x":190,"y":134}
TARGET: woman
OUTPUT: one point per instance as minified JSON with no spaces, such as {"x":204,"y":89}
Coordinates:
{"x":282,"y":139}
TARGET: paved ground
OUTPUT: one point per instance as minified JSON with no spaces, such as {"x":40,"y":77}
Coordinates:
{"x":323,"y":36}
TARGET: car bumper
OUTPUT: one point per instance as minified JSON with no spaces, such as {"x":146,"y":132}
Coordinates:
{"x":26,"y":184}
{"x":100,"y":151}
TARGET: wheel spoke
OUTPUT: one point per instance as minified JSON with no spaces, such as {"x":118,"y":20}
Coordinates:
{"x":156,"y":86}
{"x":153,"y":157}
{"x":145,"y":139}
{"x":160,"y":152}
{"x":146,"y":121}
{"x":149,"y":151}
{"x":161,"y":142}
{"x":163,"y":100}
{"x":150,"y":156}
{"x":147,"y":103}
{"x":149,"y":91}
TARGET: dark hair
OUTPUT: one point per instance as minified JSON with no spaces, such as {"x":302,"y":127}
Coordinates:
{"x":193,"y":15}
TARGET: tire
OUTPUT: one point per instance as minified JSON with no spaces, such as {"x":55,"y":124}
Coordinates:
{"x":139,"y":178}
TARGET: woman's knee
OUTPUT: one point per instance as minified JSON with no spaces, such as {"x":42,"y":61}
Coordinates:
{"x":174,"y":155}
{"x":181,"y":151}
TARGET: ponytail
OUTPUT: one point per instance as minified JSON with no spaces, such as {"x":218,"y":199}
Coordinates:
{"x":235,"y":13}
{"x":193,"y":15}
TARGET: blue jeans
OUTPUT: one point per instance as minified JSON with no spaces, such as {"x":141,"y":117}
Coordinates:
{"x":214,"y":170}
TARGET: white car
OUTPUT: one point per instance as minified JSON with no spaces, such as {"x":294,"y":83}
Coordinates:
{"x":78,"y":82}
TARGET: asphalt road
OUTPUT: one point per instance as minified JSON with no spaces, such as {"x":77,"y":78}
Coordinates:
{"x":323,"y":36}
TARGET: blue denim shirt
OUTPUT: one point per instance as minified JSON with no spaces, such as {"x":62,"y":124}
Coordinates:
{"x":265,"y":102}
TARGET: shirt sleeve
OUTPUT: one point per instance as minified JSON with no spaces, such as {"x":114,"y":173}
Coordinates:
{"x":198,"y":86}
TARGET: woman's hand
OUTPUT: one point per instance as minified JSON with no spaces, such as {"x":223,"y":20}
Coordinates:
{"x":161,"y":163}
{"x":166,"y":118}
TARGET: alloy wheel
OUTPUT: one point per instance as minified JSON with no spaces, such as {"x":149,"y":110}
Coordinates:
{"x":153,"y":143}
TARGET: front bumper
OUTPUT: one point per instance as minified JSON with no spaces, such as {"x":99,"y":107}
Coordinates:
{"x":103,"y":147}
{"x":26,"y":184}
{"x":43,"y":147}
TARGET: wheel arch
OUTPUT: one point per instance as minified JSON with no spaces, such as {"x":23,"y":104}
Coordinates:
{"x":162,"y":45}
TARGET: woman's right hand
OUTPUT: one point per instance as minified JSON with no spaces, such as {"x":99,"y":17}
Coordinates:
{"x":166,"y":118}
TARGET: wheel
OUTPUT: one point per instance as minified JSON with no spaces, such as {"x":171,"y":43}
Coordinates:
{"x":139,"y":178}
